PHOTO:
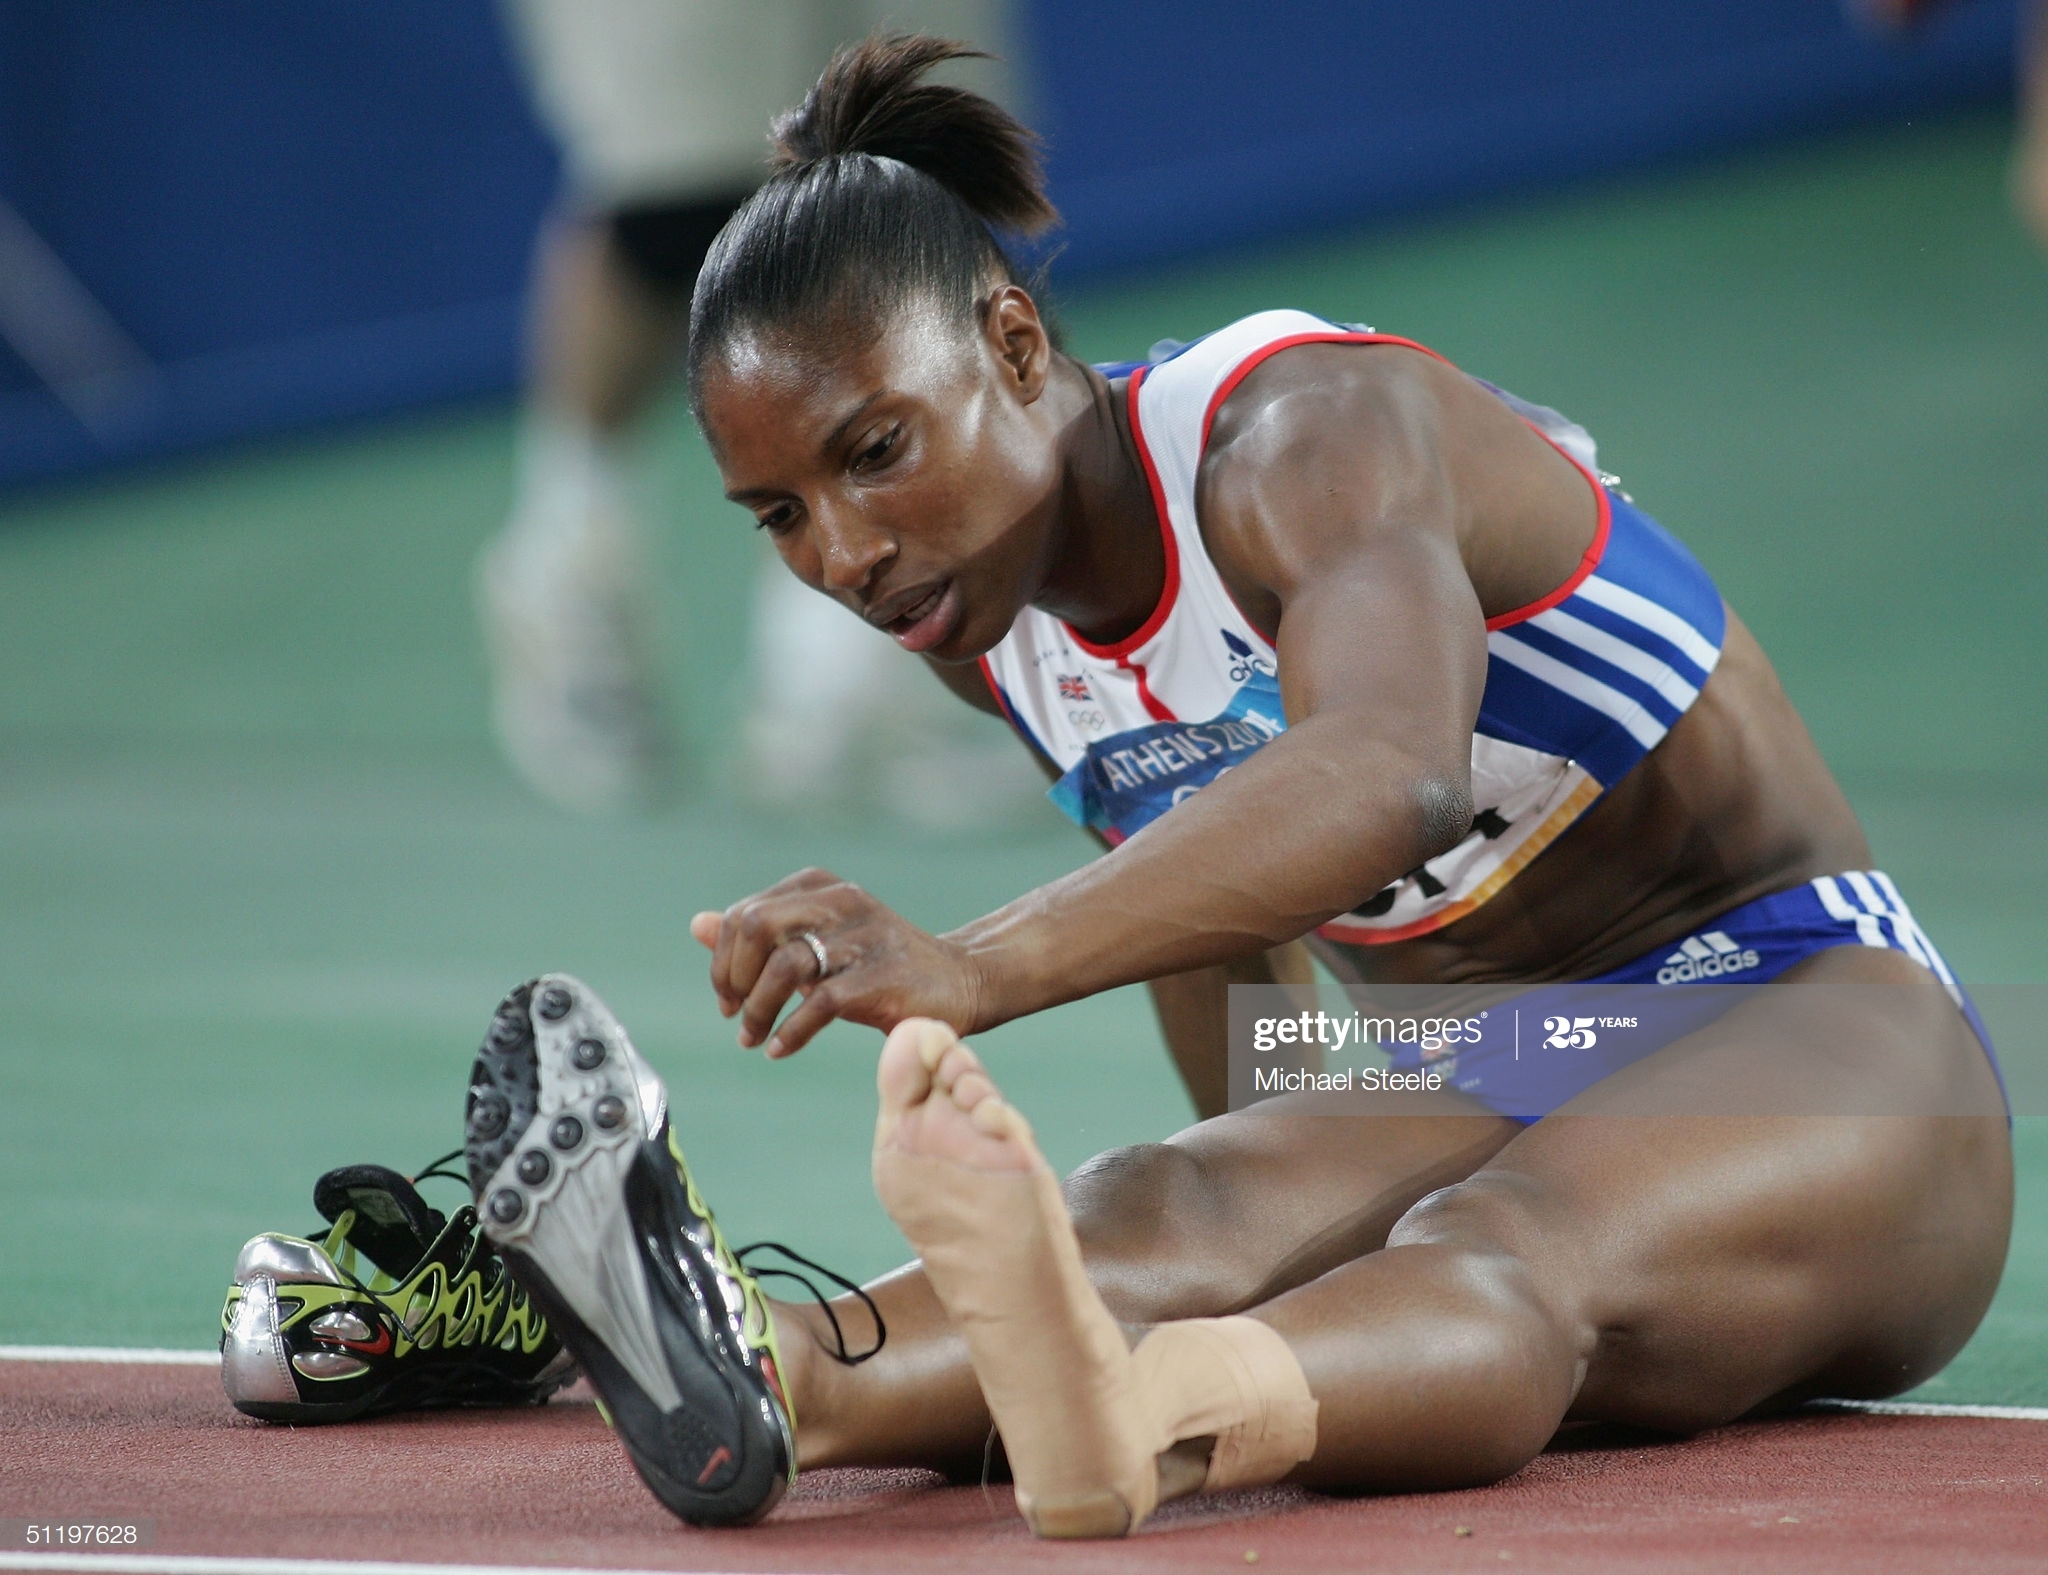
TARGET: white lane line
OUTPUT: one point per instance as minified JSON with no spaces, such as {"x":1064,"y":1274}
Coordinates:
{"x":148,"y":1356}
{"x":1994,"y":1413}
{"x":206,"y":1564}
{"x":135,"y":1355}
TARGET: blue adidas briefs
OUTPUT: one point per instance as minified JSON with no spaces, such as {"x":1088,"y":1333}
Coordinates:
{"x":1752,"y":944}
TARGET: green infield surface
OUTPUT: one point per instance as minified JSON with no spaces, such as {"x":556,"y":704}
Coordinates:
{"x":265,"y":877}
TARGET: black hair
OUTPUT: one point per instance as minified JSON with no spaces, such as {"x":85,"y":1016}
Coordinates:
{"x":885,"y":188}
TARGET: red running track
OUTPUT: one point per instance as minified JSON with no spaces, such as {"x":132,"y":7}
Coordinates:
{"x":1819,"y":1491}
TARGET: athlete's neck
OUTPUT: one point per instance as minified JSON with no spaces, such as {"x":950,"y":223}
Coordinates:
{"x":1107,"y":568}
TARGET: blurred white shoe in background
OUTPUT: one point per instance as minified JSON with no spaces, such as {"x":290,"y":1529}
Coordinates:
{"x":841,"y":719}
{"x":563,"y":595}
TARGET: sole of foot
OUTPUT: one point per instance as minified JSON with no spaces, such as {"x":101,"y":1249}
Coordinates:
{"x":958,"y":1170}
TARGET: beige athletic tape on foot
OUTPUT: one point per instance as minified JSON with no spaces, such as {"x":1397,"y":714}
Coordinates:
{"x":1083,"y":1419}
{"x":1235,"y":1378}
{"x":1053,"y":1364}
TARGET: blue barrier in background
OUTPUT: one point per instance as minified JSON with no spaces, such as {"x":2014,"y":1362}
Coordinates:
{"x":1175,"y":126}
{"x":302,"y":213}
{"x":299,"y":212}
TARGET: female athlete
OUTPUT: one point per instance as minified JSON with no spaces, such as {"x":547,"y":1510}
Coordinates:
{"x":1331,"y":643}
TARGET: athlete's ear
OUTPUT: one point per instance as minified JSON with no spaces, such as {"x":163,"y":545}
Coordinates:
{"x":1017,"y":335}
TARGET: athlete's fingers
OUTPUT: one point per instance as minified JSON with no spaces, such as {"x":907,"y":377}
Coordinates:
{"x":704,"y":928}
{"x":791,"y":969}
{"x":749,"y":933}
{"x":818,"y":1008}
{"x":751,"y":929}
{"x":761,"y":926}
{"x":721,"y":960}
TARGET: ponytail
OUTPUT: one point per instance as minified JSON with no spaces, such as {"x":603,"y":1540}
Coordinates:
{"x":870,"y":101}
{"x":885,"y":188}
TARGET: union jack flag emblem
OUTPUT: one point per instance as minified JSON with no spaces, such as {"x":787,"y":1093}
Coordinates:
{"x":1074,"y":687}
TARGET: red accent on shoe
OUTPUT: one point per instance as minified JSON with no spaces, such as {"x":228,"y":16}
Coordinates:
{"x":769,"y":1372}
{"x":718,"y":1458}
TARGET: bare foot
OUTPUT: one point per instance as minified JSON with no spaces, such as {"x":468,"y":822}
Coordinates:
{"x":939,"y":1101}
{"x":957,"y":1169}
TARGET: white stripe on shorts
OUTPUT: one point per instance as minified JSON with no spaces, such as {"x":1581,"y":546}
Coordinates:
{"x":1839,"y":908}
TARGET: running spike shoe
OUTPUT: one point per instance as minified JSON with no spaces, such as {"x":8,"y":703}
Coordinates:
{"x":583,"y":1189}
{"x":396,"y":1308}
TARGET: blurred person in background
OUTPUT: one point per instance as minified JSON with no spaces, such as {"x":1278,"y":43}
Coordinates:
{"x":2030,"y":154}
{"x":659,"y":107}
{"x":2030,"y":166}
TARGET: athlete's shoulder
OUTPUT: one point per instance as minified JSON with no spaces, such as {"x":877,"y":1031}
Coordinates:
{"x":1221,"y":351}
{"x":1185,"y":393}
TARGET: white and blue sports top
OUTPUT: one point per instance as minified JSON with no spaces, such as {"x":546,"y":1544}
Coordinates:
{"x":1579,"y":685}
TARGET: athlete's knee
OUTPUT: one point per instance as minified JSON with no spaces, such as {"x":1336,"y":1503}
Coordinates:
{"x":1493,"y":1371}
{"x":1507,"y":1267}
{"x":1492,"y":1212}
{"x":1144,"y":1215}
{"x":1123,"y":1201}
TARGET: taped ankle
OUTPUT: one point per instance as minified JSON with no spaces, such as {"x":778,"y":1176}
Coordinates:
{"x":1054,"y":1367}
{"x":1236,"y":1379}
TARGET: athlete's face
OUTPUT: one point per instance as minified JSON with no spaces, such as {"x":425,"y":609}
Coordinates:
{"x":911,"y":476}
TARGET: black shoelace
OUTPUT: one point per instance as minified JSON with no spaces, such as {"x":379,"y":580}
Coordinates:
{"x":464,"y":1222}
{"x":764,"y":1271}
{"x":760,"y":1271}
{"x":436,"y":1171}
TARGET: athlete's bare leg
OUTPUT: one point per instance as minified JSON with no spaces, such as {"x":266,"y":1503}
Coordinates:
{"x":602,"y":340}
{"x":1219,"y":1218}
{"x":1668,"y":1272}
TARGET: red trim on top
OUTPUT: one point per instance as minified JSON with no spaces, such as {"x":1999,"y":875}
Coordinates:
{"x":988,"y":676}
{"x":1401,"y":932}
{"x":1588,"y":560}
{"x":1171,"y":590}
{"x":1244,"y":368}
{"x":1154,"y":706}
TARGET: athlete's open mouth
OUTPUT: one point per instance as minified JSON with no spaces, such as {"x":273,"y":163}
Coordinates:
{"x":928,"y":620}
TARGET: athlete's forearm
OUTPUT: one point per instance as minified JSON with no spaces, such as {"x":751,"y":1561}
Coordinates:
{"x":1315,"y":823}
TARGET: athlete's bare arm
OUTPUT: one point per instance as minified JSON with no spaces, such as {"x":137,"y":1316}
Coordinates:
{"x":1191,"y":1006}
{"x":1347,"y":520}
{"x":1369,"y":506}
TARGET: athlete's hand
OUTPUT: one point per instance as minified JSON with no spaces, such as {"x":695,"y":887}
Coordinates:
{"x":880,"y":969}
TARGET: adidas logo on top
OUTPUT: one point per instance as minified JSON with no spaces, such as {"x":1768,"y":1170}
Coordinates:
{"x":1709,"y":955}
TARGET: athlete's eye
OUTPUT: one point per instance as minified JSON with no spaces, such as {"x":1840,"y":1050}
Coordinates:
{"x":776,"y":520}
{"x":875,"y":453}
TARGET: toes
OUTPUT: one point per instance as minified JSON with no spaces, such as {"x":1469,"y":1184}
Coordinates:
{"x":901,"y":1077}
{"x":964,"y":1080}
{"x":928,"y":1081}
{"x":997,"y":1118}
{"x":971,"y":1088}
{"x":958,"y":1062}
{"x":934,"y":1040}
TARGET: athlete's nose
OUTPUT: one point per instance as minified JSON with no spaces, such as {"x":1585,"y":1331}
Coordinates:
{"x":850,"y":549}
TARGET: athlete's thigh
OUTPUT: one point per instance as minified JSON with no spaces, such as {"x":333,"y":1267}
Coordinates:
{"x":1238,"y":1208}
{"x":1723,"y":1261}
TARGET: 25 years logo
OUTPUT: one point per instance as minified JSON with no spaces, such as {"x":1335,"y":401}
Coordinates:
{"x":1579,"y":1033}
